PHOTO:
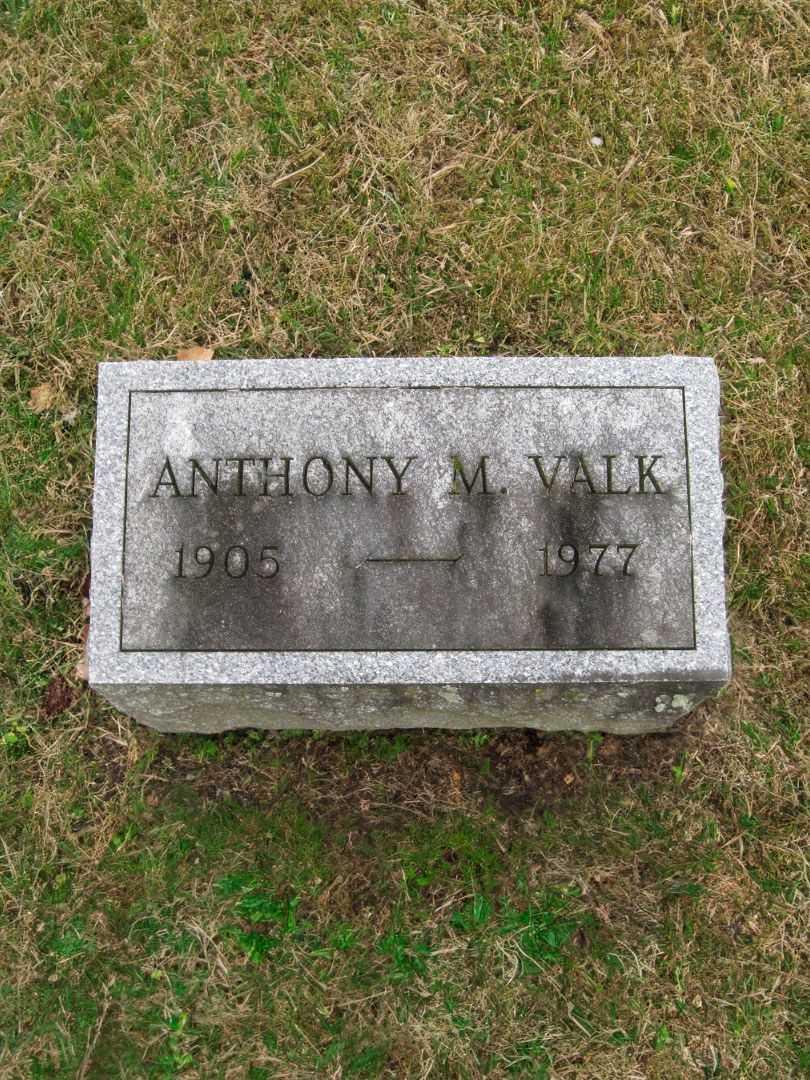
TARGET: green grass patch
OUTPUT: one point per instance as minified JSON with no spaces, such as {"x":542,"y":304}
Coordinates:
{"x":401,"y":178}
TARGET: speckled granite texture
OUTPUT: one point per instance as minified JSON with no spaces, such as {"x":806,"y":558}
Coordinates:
{"x":243,"y":574}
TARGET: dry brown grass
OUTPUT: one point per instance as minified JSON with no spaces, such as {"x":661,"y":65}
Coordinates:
{"x":403,"y":177}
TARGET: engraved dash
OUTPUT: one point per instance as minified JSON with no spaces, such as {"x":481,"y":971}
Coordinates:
{"x":413,"y":558}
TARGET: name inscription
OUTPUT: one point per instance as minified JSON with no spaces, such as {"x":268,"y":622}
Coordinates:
{"x":319,"y":475}
{"x":406,"y":519}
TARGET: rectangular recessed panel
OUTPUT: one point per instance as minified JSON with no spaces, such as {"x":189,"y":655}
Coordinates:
{"x":419,"y":518}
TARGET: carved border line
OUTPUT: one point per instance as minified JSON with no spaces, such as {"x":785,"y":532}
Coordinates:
{"x":445,"y":386}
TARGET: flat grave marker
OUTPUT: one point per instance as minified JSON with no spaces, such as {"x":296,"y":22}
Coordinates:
{"x":398,"y":542}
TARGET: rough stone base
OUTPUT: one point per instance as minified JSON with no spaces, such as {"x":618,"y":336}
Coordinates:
{"x":622,"y":710}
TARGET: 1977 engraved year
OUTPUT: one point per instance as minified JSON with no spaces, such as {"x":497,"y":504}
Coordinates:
{"x":599,"y":559}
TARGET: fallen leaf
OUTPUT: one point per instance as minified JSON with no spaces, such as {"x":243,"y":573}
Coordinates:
{"x":568,"y":779}
{"x":610,"y":747}
{"x":580,"y":938}
{"x":590,"y":23}
{"x":196,"y":352}
{"x":58,"y":696}
{"x":42,"y":397}
{"x":81,"y":670}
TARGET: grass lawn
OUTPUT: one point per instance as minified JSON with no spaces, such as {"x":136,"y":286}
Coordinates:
{"x":341,"y":177}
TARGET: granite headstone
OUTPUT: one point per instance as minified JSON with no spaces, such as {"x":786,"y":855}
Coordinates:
{"x":362,"y":543}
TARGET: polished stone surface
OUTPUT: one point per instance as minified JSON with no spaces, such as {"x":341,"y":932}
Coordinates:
{"x":268,"y":533}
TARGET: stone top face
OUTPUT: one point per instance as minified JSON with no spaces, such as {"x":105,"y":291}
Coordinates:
{"x":407,"y":518}
{"x":376,"y":520}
